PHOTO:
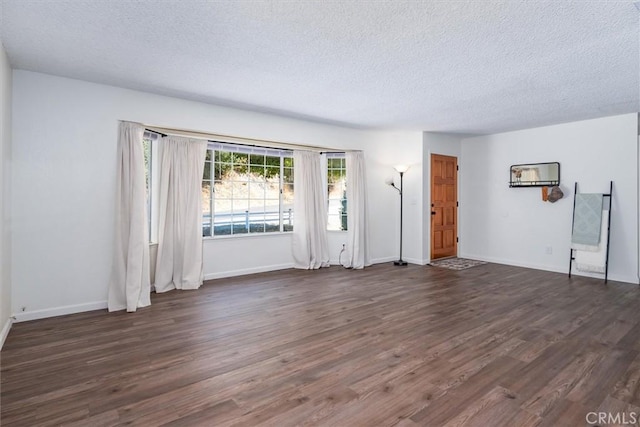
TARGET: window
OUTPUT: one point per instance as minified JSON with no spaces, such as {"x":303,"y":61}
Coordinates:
{"x":150,"y":146}
{"x":246,"y":190}
{"x":337,"y":192}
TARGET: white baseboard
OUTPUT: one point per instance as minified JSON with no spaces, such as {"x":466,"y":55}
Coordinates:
{"x":383,"y":260}
{"x":416,"y":261}
{"x":59,"y":311}
{"x":242,"y":272}
{"x":102,"y":305}
{"x":511,"y":262}
{"x":5,"y":331}
{"x":574,"y":272}
{"x":264,"y":269}
{"x":395,"y":258}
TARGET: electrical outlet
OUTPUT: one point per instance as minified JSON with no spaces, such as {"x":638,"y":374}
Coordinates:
{"x":548,"y":250}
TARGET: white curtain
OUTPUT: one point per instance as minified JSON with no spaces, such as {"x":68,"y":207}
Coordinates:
{"x":129,"y":286}
{"x":179,"y":261}
{"x":310,"y":247}
{"x":357,"y":215}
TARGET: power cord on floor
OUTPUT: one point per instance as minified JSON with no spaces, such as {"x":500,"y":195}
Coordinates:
{"x":344,"y":247}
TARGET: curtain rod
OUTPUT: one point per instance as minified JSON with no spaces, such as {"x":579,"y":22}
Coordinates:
{"x":253,"y":142}
{"x":156,"y":132}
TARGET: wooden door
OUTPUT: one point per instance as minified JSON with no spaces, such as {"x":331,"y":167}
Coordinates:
{"x":444,"y":206}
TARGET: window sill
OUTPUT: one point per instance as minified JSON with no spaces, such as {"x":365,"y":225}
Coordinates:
{"x":337,"y":231}
{"x":247,"y":236}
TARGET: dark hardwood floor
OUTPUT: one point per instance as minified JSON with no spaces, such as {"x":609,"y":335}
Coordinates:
{"x":414,"y":346}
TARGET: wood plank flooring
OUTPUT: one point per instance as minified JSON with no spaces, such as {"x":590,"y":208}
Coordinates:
{"x":415,"y":346}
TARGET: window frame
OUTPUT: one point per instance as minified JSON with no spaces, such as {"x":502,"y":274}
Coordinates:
{"x":152,"y":183}
{"x":343,"y":201}
{"x":283,"y":154}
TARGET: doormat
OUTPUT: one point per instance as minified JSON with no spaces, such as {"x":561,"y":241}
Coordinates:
{"x":456,"y":263}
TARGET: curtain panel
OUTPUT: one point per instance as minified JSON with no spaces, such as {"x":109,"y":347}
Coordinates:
{"x":310,"y":246}
{"x":179,"y":261}
{"x":357,"y":214}
{"x":129,"y":286}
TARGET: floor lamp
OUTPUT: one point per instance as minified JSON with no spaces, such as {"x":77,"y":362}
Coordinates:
{"x":401,"y":169}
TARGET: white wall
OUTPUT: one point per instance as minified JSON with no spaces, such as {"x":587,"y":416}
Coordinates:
{"x":384,"y":150}
{"x":514,"y":226}
{"x":63,"y":171}
{"x":446,"y":145}
{"x":64,"y":142}
{"x":5,"y":192}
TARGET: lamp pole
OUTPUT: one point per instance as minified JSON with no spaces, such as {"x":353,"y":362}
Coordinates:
{"x":400,"y":262}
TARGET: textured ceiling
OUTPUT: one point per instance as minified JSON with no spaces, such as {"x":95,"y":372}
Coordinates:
{"x":448,"y":66}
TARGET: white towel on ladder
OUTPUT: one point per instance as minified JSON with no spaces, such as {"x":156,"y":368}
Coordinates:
{"x":595,"y":261}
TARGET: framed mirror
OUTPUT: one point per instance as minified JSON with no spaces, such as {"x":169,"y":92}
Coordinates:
{"x":535,"y":175}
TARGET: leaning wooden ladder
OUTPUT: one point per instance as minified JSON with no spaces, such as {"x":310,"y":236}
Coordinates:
{"x":608,"y":196}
